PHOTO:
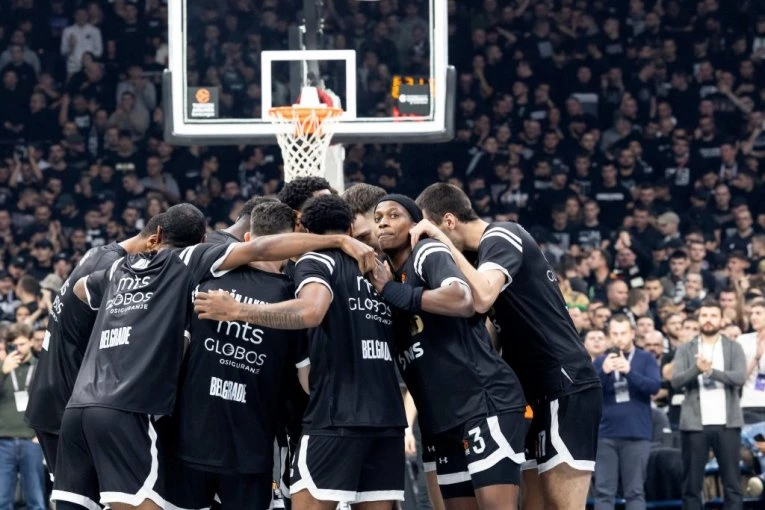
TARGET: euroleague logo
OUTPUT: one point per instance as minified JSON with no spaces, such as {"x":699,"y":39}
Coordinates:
{"x":202,"y":96}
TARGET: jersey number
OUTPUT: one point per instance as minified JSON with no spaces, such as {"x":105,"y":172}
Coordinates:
{"x":479,"y":445}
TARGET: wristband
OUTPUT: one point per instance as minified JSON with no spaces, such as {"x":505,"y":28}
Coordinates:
{"x":408,"y":431}
{"x":403,"y":296}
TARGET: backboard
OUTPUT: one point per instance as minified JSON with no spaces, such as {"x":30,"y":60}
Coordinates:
{"x":231,"y":61}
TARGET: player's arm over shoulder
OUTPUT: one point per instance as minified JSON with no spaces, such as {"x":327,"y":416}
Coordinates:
{"x":291,"y":245}
{"x":313,"y":274}
{"x":91,"y":289}
{"x":500,"y":255}
{"x":447,"y":292}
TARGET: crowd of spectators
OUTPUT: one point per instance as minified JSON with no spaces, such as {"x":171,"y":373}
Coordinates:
{"x":627,"y":136}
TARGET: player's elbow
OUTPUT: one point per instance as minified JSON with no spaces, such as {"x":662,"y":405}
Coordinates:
{"x":80,"y":291}
{"x":312,"y":316}
{"x":482,"y":304}
{"x":465,"y":306}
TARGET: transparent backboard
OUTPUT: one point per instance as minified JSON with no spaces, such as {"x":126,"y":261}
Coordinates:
{"x":231,"y":61}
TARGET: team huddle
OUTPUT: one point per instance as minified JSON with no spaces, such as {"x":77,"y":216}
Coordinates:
{"x":175,"y":360}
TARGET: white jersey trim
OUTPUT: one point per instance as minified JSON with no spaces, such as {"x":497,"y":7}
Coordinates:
{"x":185,"y":255}
{"x":306,"y":480}
{"x":77,"y":499}
{"x":363,"y":497}
{"x":306,"y":362}
{"x":505,"y":234}
{"x":219,"y":262}
{"x":314,"y":279}
{"x":319,"y":257}
{"x":493,"y":266}
{"x":453,"y":478}
{"x":114,"y":267}
{"x":505,"y":451}
{"x":428,"y":467}
{"x":147,"y":490}
{"x":563,"y":455}
{"x":419,"y":259}
{"x":454,"y":279}
{"x":90,"y":299}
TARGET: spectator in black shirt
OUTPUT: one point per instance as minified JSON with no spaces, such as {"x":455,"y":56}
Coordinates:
{"x":741,"y":240}
{"x":42,"y":253}
{"x":698,"y":216}
{"x":591,"y":233}
{"x":611,"y":196}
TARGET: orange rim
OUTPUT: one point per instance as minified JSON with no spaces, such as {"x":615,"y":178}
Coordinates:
{"x":299,"y":114}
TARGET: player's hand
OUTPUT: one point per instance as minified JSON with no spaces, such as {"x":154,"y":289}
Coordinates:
{"x":410,"y":445}
{"x":216,"y":306}
{"x":381,"y":275}
{"x":12,"y":362}
{"x":364,"y":255}
{"x":425,"y":229}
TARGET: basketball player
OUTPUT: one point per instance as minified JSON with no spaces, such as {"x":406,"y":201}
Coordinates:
{"x":537,"y":337}
{"x":352,"y":448}
{"x":363,"y":198}
{"x":69,"y":325}
{"x":129,"y":374}
{"x":233,"y":379}
{"x":296,"y":192}
{"x":469,"y":401}
{"x":237,"y":231}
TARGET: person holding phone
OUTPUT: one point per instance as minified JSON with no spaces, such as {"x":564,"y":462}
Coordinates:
{"x":629,"y":377}
{"x":19,"y":450}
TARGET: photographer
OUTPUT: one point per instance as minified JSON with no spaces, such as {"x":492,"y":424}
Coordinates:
{"x":629,"y":377}
{"x":19,"y":450}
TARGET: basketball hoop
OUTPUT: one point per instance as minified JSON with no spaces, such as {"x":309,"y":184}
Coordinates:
{"x":304,"y":132}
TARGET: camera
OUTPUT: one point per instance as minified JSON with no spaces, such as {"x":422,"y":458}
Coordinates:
{"x":613,"y":350}
{"x":10,"y":348}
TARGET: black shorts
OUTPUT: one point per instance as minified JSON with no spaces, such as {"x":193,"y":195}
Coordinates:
{"x":107,"y":456}
{"x":565,"y":430}
{"x":348,"y":468}
{"x":49,"y":445}
{"x":482,"y":452}
{"x":188,"y":486}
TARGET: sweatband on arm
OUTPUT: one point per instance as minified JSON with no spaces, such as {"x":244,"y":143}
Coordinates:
{"x":403,"y":296}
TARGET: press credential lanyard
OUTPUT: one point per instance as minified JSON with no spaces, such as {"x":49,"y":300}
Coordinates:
{"x":21,"y":396}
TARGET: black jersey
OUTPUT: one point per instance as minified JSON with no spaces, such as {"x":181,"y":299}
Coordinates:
{"x":134,"y":355}
{"x":70,"y":322}
{"x":353,"y":377}
{"x":220,"y":237}
{"x":448,"y":363}
{"x":234,"y":377}
{"x":537,"y":335}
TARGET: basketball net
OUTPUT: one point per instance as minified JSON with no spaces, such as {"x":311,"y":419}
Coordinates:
{"x":304,"y":132}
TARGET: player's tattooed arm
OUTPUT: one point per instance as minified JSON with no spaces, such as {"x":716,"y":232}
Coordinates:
{"x":307,"y":311}
{"x":286,"y":246}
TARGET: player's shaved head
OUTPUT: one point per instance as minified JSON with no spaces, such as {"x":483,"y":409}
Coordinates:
{"x":270,"y":218}
{"x":183,"y":225}
{"x":439,"y":199}
{"x":151,"y":226}
{"x":325,"y":214}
